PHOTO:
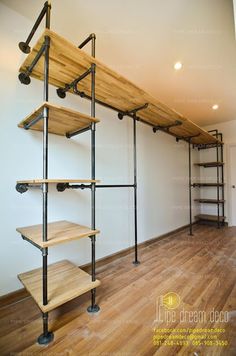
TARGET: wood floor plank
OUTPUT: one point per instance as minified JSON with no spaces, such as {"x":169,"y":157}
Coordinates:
{"x":201,"y":269}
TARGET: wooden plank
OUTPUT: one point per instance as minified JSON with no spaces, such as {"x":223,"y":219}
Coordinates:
{"x":68,"y":62}
{"x":58,"y":232}
{"x":208,"y":184}
{"x":55,"y":181}
{"x":210,"y":201}
{"x":209,"y":217}
{"x":209,"y":164}
{"x":65,"y":282}
{"x":61,"y":120}
{"x":127,"y":302}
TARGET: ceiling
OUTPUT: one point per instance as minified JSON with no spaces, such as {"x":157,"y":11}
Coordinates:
{"x":142,"y":39}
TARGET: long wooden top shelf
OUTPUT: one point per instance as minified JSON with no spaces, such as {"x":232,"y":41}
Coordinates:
{"x":58,"y":232}
{"x":55,"y":181}
{"x":65,"y":282}
{"x":68,"y":62}
{"x":62,"y":121}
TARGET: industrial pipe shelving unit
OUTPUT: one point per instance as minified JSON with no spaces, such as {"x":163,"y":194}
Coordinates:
{"x":55,"y":61}
{"x":219,"y":218}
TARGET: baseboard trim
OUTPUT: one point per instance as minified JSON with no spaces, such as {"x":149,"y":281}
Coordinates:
{"x":122,"y":253}
{"x":20,"y":294}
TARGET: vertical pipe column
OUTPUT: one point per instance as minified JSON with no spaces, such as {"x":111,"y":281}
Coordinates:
{"x":46,"y":336}
{"x":136,"y":261}
{"x":218,"y":182}
{"x":48,"y":14}
{"x":93,"y":308}
{"x":222,"y":180}
{"x":190,"y":188}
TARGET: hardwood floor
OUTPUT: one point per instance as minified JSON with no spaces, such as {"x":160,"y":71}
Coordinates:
{"x":199,"y":268}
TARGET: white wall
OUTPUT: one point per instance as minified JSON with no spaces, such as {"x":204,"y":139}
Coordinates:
{"x":162,"y":172}
{"x":228,"y":130}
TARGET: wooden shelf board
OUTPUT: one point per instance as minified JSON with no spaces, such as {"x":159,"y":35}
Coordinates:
{"x":61,"y":120}
{"x":68,"y":62}
{"x":209,"y":217}
{"x":58,"y":232}
{"x":209,"y":164}
{"x":209,"y":184}
{"x":213,"y":201}
{"x":55,"y":181}
{"x":65,"y":282}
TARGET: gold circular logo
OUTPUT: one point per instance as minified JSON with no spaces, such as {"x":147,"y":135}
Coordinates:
{"x":171,"y":300}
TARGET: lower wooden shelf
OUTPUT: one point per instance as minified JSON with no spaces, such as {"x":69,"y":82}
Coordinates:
{"x":210,"y":201}
{"x":65,"y":282}
{"x":58,"y":232}
{"x":208,"y":217}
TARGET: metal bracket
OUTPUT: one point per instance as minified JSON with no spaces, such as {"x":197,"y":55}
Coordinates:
{"x":88,"y":39}
{"x":132,"y":112}
{"x":33,"y":122}
{"x":74,"y":133}
{"x":61,"y":92}
{"x":187,"y":138}
{"x":24,"y":46}
{"x":24,"y":77}
{"x":166,"y":127}
{"x":31,"y":242}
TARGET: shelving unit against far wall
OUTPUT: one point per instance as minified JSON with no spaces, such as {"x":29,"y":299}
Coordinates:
{"x":58,"y":62}
{"x":217,"y":167}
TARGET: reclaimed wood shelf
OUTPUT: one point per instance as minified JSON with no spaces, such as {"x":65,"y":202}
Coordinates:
{"x":68,"y":62}
{"x":208,"y":217}
{"x":209,"y":164}
{"x":56,"y":181}
{"x":58,"y":232}
{"x":208,"y":185}
{"x":61,"y":121}
{"x":65,"y":282}
{"x":210,"y":201}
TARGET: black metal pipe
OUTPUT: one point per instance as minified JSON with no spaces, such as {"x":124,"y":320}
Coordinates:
{"x":190,"y":188}
{"x":108,"y":106}
{"x":45,"y":275}
{"x":45,"y":138}
{"x":31,"y":242}
{"x":24,"y":46}
{"x":24,"y":77}
{"x":45,"y":336}
{"x":72,"y":134}
{"x":136,"y":261}
{"x":88,"y":39}
{"x":222,"y":178}
{"x":48,"y":16}
{"x":34,"y":121}
{"x":218,"y":188}
{"x":61,"y":92}
{"x":81,"y":77}
{"x":93,"y":308}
